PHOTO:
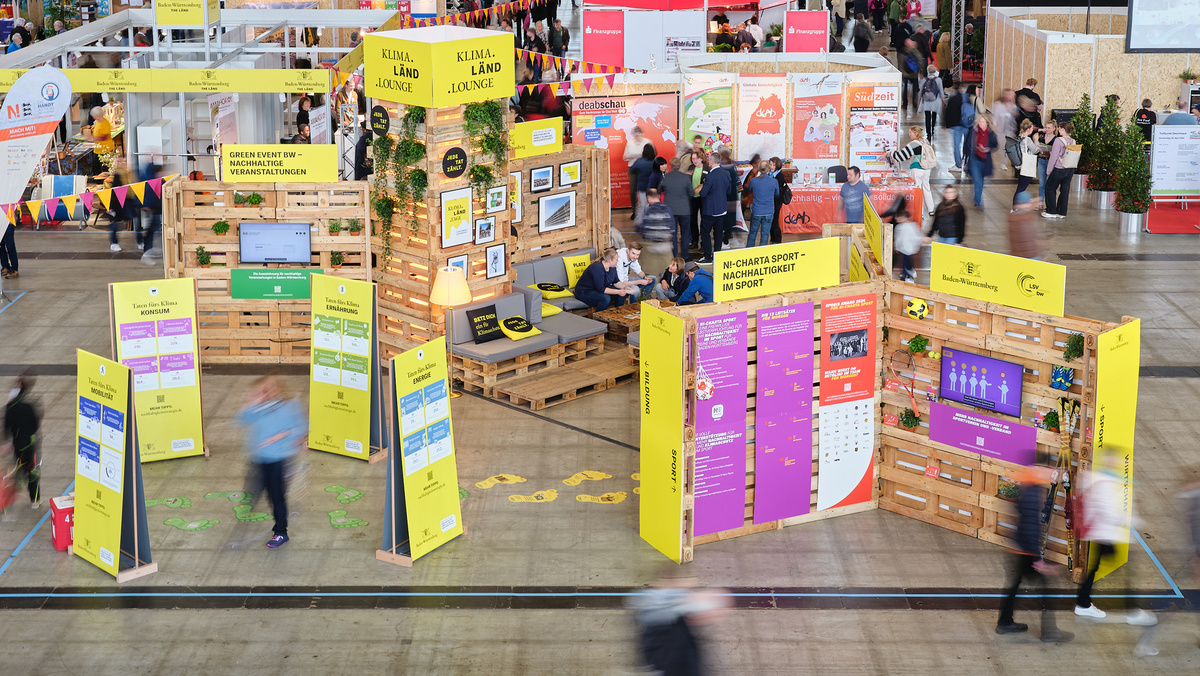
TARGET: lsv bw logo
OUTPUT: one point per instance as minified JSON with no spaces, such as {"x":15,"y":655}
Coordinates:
{"x":1028,"y":285}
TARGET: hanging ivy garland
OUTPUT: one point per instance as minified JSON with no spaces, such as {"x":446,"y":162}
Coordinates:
{"x":484,"y":124}
{"x":393,"y":157}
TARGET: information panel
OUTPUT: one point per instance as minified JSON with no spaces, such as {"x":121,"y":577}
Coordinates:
{"x":846,"y":433}
{"x":343,"y":366}
{"x":998,"y":278}
{"x":779,"y":268}
{"x":1175,"y":160}
{"x":660,"y":513}
{"x":721,"y":382}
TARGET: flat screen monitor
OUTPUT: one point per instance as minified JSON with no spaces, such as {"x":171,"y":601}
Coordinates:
{"x":981,"y":381}
{"x":275,"y":242}
{"x":1162,"y":26}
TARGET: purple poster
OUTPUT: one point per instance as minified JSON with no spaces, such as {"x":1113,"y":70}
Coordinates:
{"x":721,"y":381}
{"x":783,"y":413}
{"x":993,"y":437}
{"x":981,"y":381}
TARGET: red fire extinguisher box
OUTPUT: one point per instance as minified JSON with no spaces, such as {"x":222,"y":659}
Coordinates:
{"x":62,"y":521}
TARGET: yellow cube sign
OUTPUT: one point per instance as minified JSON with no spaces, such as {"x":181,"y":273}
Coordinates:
{"x":472,"y":65}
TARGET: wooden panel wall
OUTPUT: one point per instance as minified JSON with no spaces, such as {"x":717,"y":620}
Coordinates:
{"x":592,"y":204}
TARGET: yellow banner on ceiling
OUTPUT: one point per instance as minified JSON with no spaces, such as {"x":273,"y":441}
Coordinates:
{"x":174,"y":80}
{"x":284,"y":163}
{"x":154,"y":328}
{"x":102,"y":438}
{"x":186,"y":13}
{"x":342,"y":366}
{"x":1118,"y":363}
{"x":1031,"y":285}
{"x":472,"y":65}
{"x":779,"y":268}
{"x":110,"y":80}
{"x":423,"y":445}
{"x":663,"y":462}
{"x":538,"y":137}
{"x":873,"y":230}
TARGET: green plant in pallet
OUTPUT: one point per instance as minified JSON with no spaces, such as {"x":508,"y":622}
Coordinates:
{"x":1074,"y":348}
{"x":335,"y":226}
{"x":354,"y":225}
{"x":484,"y":125}
{"x":1008,"y":490}
{"x":336,"y":259}
{"x":220,"y":227}
{"x":1051,"y":420}
{"x":909,"y":419}
{"x":254,"y":199}
{"x":413,"y":116}
{"x":203,"y":257}
{"x":917,"y":344}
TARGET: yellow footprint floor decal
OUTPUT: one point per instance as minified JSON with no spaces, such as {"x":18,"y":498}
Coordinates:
{"x":587,"y":474}
{"x":541,"y":496}
{"x":499,"y":479}
{"x":637,"y":490}
{"x":607,"y":498}
{"x":636,"y":476}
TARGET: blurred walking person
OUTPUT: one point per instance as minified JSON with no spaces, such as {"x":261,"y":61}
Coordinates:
{"x":666,"y":614}
{"x":274,"y":434}
{"x":1024,"y":235}
{"x":949,"y":222}
{"x":977,"y":153}
{"x":914,"y":158}
{"x":22,"y":421}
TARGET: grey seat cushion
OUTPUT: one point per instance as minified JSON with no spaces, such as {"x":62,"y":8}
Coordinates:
{"x":571,"y":303}
{"x":550,"y":270}
{"x":533,"y":303}
{"x":634,"y":338}
{"x":525,"y":275}
{"x":571,"y":327}
{"x":508,"y":305}
{"x":506,"y":348}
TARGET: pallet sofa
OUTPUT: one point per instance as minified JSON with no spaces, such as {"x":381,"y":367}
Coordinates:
{"x":552,"y":269}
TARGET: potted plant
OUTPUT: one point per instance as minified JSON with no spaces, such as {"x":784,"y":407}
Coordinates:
{"x":337,"y":258}
{"x":220,"y":228}
{"x":254,"y":199}
{"x":1084,"y":122}
{"x":909,"y":419}
{"x":203,"y":257}
{"x":335,"y":226}
{"x":1188,"y":76}
{"x":1132,"y":181}
{"x":354,"y":225}
{"x":1008,"y":490}
{"x":1107,"y":142}
{"x":917,"y":344}
{"x":1051,"y":420}
{"x":239,"y":200}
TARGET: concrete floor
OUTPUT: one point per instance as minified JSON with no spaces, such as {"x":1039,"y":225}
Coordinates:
{"x":538,"y":588}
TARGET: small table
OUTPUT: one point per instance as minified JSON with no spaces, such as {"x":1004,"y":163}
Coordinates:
{"x":623,"y":320}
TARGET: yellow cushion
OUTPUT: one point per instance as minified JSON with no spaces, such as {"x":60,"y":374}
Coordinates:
{"x":549,"y":310}
{"x":518,"y":328}
{"x":575,"y":266}
{"x":552,"y":290}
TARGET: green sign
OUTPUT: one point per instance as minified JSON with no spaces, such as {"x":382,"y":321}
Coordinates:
{"x":269,"y":284}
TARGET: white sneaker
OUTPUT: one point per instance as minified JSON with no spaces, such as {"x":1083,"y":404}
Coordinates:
{"x":1091,"y":611}
{"x":1144,"y":650}
{"x":1141,"y":618}
{"x":141,"y":246}
{"x":1048,"y":216}
{"x":114,"y":247}
{"x":38,"y":505}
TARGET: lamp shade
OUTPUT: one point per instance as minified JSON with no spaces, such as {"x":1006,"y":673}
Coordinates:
{"x":450,"y":287}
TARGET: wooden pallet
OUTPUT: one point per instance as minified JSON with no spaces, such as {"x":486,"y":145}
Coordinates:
{"x":582,"y":349}
{"x":551,"y":387}
{"x":477,"y":375}
{"x":613,"y":366}
{"x":635,"y":355}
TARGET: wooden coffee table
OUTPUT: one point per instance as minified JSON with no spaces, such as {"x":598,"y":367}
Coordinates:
{"x":623,"y":320}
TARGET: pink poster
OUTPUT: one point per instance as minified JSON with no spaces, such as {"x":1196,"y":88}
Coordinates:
{"x":624,"y":125}
{"x":999,"y":438}
{"x":604,"y":37}
{"x":721,"y":381}
{"x":783,"y":413}
{"x":806,"y":32}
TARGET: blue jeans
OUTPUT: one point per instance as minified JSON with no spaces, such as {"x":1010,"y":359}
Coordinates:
{"x":947,"y":240}
{"x":600,"y":301}
{"x":1042,"y":162}
{"x":760,"y":230}
{"x":8,"y":250}
{"x":960,"y":134}
{"x":976,"y":168}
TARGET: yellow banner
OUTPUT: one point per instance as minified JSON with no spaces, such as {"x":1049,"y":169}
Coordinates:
{"x":110,"y":80}
{"x":539,"y":137}
{"x":173,"y":80}
{"x":343,"y":332}
{"x":663,"y":463}
{"x":154,"y":323}
{"x":102,"y":438}
{"x":472,"y":65}
{"x":858,"y":271}
{"x":1118,"y":363}
{"x":779,"y":268}
{"x":426,"y":436}
{"x":283,"y":163}
{"x":873,"y":229}
{"x":998,"y":278}
{"x":185,"y":12}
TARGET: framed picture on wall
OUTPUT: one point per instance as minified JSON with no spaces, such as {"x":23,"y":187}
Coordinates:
{"x":556,"y":212}
{"x":485,"y":230}
{"x":459,"y":262}
{"x":496,"y":261}
{"x":456,"y":217}
{"x":497,"y":199}
{"x":569,"y":173}
{"x":514,"y":200}
{"x":541,"y":179}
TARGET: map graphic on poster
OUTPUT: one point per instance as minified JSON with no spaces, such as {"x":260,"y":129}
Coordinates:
{"x":783,"y":413}
{"x":708,"y":107}
{"x":762,"y":117}
{"x":343,"y":333}
{"x":816,"y":123}
{"x":874,"y":127}
{"x":101,"y":435}
{"x":609,"y":122}
{"x":156,"y":338}
{"x":721,"y":382}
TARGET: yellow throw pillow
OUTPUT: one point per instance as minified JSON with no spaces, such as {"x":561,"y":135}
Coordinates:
{"x":549,"y":310}
{"x":552,"y":290}
{"x":575,"y":266}
{"x":518,"y":328}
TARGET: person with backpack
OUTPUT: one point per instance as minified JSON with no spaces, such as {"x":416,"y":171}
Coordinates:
{"x":917,"y":158}
{"x":1045,"y":139}
{"x":765,"y":190}
{"x":953,"y":119}
{"x":1060,"y":168}
{"x":878,"y":13}
{"x":909,"y":60}
{"x":933,"y":96}
{"x":861,"y":34}
{"x":1025,"y":159}
{"x":981,"y":142}
{"x":658,"y":224}
{"x":906,"y":238}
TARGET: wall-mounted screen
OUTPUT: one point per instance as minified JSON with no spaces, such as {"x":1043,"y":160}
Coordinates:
{"x":981,"y":381}
{"x":1162,"y":26}
{"x":275,"y":242}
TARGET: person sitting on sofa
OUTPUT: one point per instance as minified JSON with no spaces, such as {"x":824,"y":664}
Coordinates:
{"x":629,"y":271}
{"x":599,"y":287}
{"x":700,"y":281}
{"x":673,"y":281}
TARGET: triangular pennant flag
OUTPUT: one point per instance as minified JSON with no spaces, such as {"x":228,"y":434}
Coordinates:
{"x":156,"y":186}
{"x":610,"y":79}
{"x":578,"y":86}
{"x":51,"y":207}
{"x":70,"y":201}
{"x":86,"y":198}
{"x":139,"y":190}
{"x":105,"y":198}
{"x":120,"y":191}
{"x":35,"y":209}
{"x":7,"y":209}
{"x":587,"y":86}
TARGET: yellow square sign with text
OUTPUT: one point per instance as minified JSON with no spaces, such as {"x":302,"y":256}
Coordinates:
{"x":1022,"y":283}
{"x":472,"y":65}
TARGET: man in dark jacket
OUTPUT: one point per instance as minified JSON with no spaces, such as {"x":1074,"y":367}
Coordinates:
{"x":21,"y":423}
{"x":599,"y":286}
{"x":676,"y":189}
{"x":909,"y":60}
{"x":732,"y":199}
{"x":714,"y":204}
{"x":1028,"y":561}
{"x":902,"y":32}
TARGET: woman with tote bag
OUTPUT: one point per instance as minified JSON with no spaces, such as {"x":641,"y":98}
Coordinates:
{"x":1027,"y":170}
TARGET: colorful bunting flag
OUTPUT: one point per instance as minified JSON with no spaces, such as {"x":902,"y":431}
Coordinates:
{"x":51,"y":207}
{"x":70,"y":201}
{"x":105,"y":197}
{"x":35,"y":209}
{"x":156,"y":186}
{"x":139,"y":191}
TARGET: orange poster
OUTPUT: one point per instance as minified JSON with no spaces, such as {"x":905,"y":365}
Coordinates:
{"x":847,"y":349}
{"x":614,"y":122}
{"x":817,"y":123}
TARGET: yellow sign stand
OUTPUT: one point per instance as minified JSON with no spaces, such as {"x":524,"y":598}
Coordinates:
{"x":472,"y":65}
{"x":110,"y":508}
{"x":192,"y":80}
{"x":1017,"y":282}
{"x":295,"y":163}
{"x":779,"y":268}
{"x":1118,"y":362}
{"x":186,"y":13}
{"x":663,"y":460}
{"x":538,"y":137}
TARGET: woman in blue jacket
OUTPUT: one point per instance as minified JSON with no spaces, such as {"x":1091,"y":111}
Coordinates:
{"x":977,"y":153}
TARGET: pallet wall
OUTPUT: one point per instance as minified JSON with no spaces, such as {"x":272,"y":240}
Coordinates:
{"x":592,"y":204}
{"x":257,"y":331}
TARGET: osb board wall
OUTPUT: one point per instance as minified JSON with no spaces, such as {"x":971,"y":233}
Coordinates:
{"x":1039,"y":66}
{"x":1068,"y":78}
{"x":1159,"y":81}
{"x":1117,"y":73}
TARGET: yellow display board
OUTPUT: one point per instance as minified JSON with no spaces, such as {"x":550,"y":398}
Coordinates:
{"x":873,"y":230}
{"x":779,"y":268}
{"x":858,"y":271}
{"x":291,"y":163}
{"x":539,"y":137}
{"x":187,"y":13}
{"x":423,"y":453}
{"x":103,"y":437}
{"x":1118,"y":363}
{"x":472,"y":65}
{"x":172,"y":80}
{"x":154,"y":335}
{"x":343,"y":366}
{"x":998,"y":278}
{"x":663,"y":463}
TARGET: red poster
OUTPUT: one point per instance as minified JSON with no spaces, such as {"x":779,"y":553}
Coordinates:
{"x":811,"y":208}
{"x":806,"y":32}
{"x":613,"y":122}
{"x":604,"y":37}
{"x":817,"y":123}
{"x":847,"y":349}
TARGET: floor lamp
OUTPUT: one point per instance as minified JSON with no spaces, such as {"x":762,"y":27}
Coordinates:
{"x":450,"y":289}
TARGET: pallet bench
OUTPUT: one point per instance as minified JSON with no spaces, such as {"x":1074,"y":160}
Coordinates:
{"x":477,"y":375}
